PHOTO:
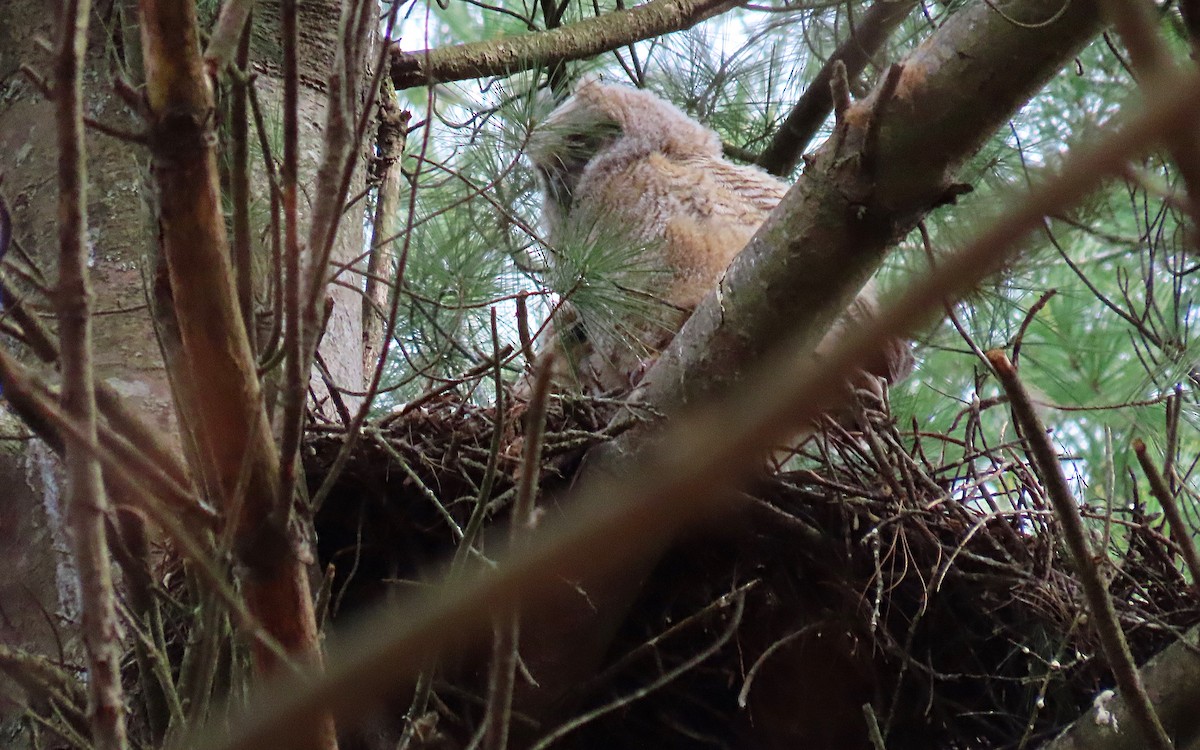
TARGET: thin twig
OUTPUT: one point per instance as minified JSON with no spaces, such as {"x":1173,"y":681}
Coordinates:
{"x":508,"y":627}
{"x":239,"y":177}
{"x":1108,"y":628}
{"x":295,"y":389}
{"x":1179,"y":529}
{"x":471,"y":532}
{"x":1152,"y":62}
{"x":86,"y":499}
{"x":873,"y":732}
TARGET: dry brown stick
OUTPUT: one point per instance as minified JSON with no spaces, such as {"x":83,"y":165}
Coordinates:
{"x":614,"y":519}
{"x":508,"y":626}
{"x":239,"y":178}
{"x":1104,"y":615}
{"x":576,"y":41}
{"x":1179,"y":529}
{"x":381,"y":261}
{"x":295,"y":384}
{"x":86,"y":499}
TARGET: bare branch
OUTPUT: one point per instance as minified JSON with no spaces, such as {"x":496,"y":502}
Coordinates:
{"x":548,"y":49}
{"x":506,"y":641}
{"x":389,"y":143}
{"x":87,"y":502}
{"x":220,"y":396}
{"x":783,"y":153}
{"x":1179,"y":529}
{"x":1104,"y":615}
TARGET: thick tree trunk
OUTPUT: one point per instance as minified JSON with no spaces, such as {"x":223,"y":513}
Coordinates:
{"x":341,"y":345}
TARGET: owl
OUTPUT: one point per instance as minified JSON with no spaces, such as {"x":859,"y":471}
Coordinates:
{"x":622,"y":166}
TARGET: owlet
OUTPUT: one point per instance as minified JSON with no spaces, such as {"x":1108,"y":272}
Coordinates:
{"x":622,"y":166}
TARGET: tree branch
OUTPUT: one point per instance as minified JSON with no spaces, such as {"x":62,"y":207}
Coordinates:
{"x":86,"y":501}
{"x":209,"y":356}
{"x":1104,"y":615}
{"x":783,"y":152}
{"x":576,"y":41}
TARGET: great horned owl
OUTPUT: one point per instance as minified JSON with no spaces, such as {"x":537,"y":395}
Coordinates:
{"x":617,"y":162}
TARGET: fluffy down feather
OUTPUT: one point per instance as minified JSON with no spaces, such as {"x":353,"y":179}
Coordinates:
{"x":617,"y":161}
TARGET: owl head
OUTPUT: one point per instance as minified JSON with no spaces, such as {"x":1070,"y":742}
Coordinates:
{"x":604,"y":123}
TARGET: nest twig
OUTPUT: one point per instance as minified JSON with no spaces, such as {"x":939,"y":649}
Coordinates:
{"x":872,"y":573}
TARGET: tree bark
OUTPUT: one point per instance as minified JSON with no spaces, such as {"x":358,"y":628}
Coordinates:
{"x":1172,"y":680}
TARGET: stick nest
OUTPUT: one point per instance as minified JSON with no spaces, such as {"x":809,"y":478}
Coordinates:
{"x":873,"y":572}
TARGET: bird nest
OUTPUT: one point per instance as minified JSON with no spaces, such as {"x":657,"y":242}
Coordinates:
{"x":868,"y":590}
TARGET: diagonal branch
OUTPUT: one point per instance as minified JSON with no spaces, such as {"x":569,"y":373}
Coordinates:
{"x":1104,"y":616}
{"x":883,"y":170}
{"x":783,"y":153}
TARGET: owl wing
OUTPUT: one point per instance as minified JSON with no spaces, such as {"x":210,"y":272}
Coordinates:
{"x":753,"y":188}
